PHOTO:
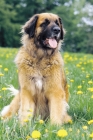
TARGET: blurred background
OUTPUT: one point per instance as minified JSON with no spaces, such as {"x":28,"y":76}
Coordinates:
{"x":76,"y":15}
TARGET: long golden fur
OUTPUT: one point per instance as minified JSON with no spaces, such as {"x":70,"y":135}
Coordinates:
{"x":43,"y":86}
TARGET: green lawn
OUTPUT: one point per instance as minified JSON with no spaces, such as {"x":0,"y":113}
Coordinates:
{"x":79,"y":71}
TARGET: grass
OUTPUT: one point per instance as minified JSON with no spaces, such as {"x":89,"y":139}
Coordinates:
{"x":79,"y":72}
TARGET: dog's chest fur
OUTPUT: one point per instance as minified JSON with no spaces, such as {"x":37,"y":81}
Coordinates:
{"x":37,"y":71}
{"x":38,"y":83}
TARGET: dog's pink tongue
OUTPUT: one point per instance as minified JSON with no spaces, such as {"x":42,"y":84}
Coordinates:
{"x":52,"y":43}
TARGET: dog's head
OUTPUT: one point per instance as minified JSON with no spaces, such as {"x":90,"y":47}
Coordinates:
{"x":46,"y":30}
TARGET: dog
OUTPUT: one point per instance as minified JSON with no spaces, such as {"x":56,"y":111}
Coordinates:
{"x":42,"y":81}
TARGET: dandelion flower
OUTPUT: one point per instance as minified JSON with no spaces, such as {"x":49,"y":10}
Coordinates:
{"x":4,"y":88}
{"x":85,"y":63}
{"x":6,"y":69}
{"x":78,"y":65}
{"x":72,"y":80}
{"x":68,"y":86}
{"x":92,"y":96}
{"x":82,"y":68}
{"x":0,"y":96}
{"x":87,"y":76}
{"x":1,"y":74}
{"x":36,"y":134}
{"x":26,"y":120}
{"x":90,"y":82}
{"x":78,"y":131}
{"x":46,"y":130}
{"x":70,"y":129}
{"x":82,"y":135}
{"x":29,"y":115}
{"x":28,"y":137}
{"x":90,"y":89}
{"x":62,"y":133}
{"x":41,"y":121}
{"x":80,"y":86}
{"x":85,"y":127}
{"x":30,"y":110}
{"x":2,"y":118}
{"x":70,"y":121}
{"x":79,"y":92}
{"x":90,"y":122}
{"x":91,"y":135}
{"x":0,"y":66}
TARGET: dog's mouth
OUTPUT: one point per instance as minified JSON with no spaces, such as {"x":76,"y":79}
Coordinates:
{"x":50,"y":42}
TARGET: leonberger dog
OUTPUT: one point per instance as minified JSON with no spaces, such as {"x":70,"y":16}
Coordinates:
{"x":42,"y":82}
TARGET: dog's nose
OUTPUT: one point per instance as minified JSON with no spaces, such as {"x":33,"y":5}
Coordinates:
{"x":56,"y":30}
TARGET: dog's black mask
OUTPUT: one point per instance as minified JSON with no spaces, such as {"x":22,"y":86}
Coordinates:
{"x":51,"y":32}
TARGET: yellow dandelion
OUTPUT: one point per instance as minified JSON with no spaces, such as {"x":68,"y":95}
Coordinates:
{"x":78,"y":65}
{"x":80,"y":59}
{"x":36,"y":134}
{"x":4,"y":88}
{"x":62,"y":133}
{"x":92,"y":96}
{"x":2,"y":118}
{"x":87,"y":76}
{"x":0,"y":66}
{"x":7,"y":56}
{"x":72,"y":80}
{"x":85,"y":127}
{"x":90,"y":89}
{"x":66,"y":55}
{"x":85,"y":63}
{"x":0,"y":96}
{"x":82,"y":68}
{"x":67,"y":72}
{"x":70,"y":129}
{"x":17,"y":71}
{"x":68,"y":86}
{"x":82,"y":135}
{"x":90,"y":82}
{"x":91,"y":135}
{"x":90,"y":122}
{"x":28,"y":137}
{"x":41,"y":121}
{"x":79,"y":92}
{"x":78,"y":131}
{"x":6,"y":69}
{"x":46,"y":130}
{"x":1,"y":74}
{"x":70,"y":121}
{"x":26,"y":120}
{"x":29,"y":115}
{"x":30,"y":110}
{"x":79,"y":86}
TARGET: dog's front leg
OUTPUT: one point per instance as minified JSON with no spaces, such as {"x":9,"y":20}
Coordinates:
{"x":57,"y":107}
{"x":26,"y":105}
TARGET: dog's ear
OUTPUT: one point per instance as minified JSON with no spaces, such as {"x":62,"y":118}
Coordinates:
{"x":62,"y":30}
{"x":30,"y":26}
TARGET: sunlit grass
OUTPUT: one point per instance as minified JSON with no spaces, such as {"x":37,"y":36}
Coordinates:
{"x":79,"y":72}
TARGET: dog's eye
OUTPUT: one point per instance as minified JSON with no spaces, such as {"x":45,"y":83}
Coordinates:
{"x":60,"y":20}
{"x":45,"y":23}
{"x":57,"y":22}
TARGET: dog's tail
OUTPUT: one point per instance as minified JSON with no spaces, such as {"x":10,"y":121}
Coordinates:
{"x":13,"y":107}
{"x":13,"y":91}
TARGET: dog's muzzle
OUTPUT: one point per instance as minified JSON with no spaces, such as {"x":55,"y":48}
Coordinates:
{"x":56,"y":30}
